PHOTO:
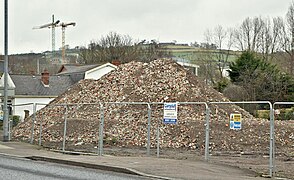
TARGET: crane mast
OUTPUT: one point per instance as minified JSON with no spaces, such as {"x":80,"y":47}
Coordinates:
{"x":52,"y":26}
{"x":53,"y":35}
{"x":63,"y":26}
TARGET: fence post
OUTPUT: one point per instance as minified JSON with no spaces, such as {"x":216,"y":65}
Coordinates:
{"x":157,"y":137}
{"x":148,"y":130}
{"x":10,"y":123}
{"x":207,"y":117}
{"x":101,"y":129}
{"x":33,"y":123}
{"x":64,"y":130}
{"x":271,"y":140}
{"x":40,"y":137}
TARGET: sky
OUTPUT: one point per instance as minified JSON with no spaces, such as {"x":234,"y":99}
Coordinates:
{"x":184,"y":21}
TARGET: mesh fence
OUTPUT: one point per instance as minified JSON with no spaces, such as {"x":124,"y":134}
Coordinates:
{"x":138,"y":129}
{"x":284,"y":139}
{"x":183,"y":139}
{"x":48,"y":127}
{"x":125,"y":128}
{"x":248,"y":145}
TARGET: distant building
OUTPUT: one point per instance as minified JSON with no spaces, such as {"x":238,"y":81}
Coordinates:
{"x":186,"y":63}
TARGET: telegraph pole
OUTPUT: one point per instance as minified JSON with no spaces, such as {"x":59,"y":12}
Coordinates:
{"x":5,"y":109}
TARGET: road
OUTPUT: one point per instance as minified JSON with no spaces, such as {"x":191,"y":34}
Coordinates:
{"x":12,"y":168}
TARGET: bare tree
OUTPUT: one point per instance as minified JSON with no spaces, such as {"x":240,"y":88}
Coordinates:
{"x":215,"y":60}
{"x":287,"y":37}
{"x":111,"y":47}
{"x":123,"y":48}
{"x":269,"y":38}
{"x":152,"y":50}
{"x":247,"y":36}
{"x":223,"y":40}
{"x":263,"y":35}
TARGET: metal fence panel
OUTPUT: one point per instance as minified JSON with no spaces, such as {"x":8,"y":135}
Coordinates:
{"x":185,"y":138}
{"x":19,"y":110}
{"x":125,"y":128}
{"x":284,"y":139}
{"x":49,"y":127}
{"x":243,"y":143}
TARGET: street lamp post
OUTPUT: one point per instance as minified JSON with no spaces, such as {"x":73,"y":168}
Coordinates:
{"x":5,"y":109}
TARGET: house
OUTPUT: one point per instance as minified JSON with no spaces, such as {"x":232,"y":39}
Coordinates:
{"x":44,"y":88}
{"x":40,"y":89}
{"x":10,"y":92}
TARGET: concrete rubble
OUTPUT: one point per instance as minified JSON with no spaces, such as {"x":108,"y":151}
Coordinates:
{"x":126,"y":125}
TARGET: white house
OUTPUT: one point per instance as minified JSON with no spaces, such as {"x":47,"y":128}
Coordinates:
{"x":41,"y":89}
{"x":79,"y":72}
{"x":98,"y":72}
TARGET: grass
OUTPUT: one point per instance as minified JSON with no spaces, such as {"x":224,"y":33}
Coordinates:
{"x":197,"y":54}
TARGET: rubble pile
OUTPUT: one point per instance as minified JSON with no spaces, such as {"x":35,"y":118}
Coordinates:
{"x":126,"y":125}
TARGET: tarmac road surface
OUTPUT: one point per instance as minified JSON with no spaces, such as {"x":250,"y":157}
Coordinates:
{"x":12,"y":168}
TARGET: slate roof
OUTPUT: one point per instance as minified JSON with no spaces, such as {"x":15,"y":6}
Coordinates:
{"x":1,"y":66}
{"x":76,"y":72}
{"x":32,"y":85}
{"x":69,"y":69}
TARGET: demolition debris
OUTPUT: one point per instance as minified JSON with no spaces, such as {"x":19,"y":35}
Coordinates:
{"x":126,"y":125}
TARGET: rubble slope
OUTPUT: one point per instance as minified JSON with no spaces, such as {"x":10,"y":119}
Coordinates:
{"x":126,"y":125}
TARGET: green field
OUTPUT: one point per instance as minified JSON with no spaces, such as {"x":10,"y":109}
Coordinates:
{"x":195,"y":55}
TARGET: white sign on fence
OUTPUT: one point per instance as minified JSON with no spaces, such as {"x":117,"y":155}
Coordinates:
{"x":170,"y":113}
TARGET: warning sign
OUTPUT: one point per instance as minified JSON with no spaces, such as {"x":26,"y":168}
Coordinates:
{"x":235,"y":121}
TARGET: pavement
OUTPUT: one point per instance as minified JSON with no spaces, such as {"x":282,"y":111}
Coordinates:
{"x":153,"y":167}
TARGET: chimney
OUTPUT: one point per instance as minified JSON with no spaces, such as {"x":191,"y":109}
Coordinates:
{"x":45,"y":78}
{"x":115,"y":62}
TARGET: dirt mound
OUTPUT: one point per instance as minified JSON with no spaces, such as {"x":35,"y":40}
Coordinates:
{"x":126,"y":125}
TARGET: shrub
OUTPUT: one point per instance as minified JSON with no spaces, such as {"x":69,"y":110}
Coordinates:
{"x":15,"y":120}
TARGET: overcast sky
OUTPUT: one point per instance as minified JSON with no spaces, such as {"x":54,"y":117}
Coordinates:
{"x":164,"y":20}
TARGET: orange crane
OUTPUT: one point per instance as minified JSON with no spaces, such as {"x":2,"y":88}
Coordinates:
{"x":52,"y":26}
{"x":63,"y":26}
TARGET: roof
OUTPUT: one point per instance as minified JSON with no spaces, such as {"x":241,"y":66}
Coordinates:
{"x":10,"y":83}
{"x":188,"y":64}
{"x":77,"y":72}
{"x":32,"y":85}
{"x":184,"y":62}
{"x":1,"y":65}
{"x":69,"y":69}
{"x":102,"y":66}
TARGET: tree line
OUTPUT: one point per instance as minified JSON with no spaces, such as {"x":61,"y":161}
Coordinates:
{"x":122,"y":48}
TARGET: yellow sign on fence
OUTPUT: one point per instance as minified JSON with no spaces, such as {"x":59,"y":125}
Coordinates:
{"x":235,"y":121}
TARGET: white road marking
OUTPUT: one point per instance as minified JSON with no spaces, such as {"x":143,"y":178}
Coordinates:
{"x":5,"y":147}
